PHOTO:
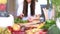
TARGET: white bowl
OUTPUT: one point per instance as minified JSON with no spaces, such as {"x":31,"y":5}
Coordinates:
{"x":6,"y":21}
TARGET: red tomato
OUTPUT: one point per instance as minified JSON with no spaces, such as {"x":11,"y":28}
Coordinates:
{"x":2,"y":6}
{"x":10,"y":28}
{"x":43,"y":32}
{"x":18,"y":32}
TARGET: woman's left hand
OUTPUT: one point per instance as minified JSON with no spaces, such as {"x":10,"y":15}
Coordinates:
{"x":30,"y":19}
{"x":37,"y":17}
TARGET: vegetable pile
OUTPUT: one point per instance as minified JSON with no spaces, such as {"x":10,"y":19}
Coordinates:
{"x":48,"y":24}
{"x":17,"y":20}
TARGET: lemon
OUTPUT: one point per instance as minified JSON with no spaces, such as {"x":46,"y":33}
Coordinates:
{"x":16,"y":27}
{"x":41,"y":25}
{"x":35,"y":30}
{"x":3,"y":1}
{"x":29,"y":32}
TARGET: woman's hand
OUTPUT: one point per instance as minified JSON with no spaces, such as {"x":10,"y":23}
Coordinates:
{"x":30,"y":19}
{"x":37,"y":17}
{"x":21,"y":16}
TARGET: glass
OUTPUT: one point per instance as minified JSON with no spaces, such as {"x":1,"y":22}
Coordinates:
{"x":41,"y":19}
{"x":3,"y":8}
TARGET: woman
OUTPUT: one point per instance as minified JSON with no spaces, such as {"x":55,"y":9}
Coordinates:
{"x":43,"y":4}
{"x":49,"y":14}
{"x":29,"y":8}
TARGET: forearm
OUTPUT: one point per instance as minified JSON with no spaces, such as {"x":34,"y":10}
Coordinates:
{"x":46,"y":16}
{"x":45,"y":13}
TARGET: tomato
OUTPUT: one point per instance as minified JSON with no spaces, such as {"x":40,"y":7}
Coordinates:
{"x":10,"y":28}
{"x":2,"y":6}
{"x":18,"y":32}
{"x":41,"y":32}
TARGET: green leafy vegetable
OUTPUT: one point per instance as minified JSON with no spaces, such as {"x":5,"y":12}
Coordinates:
{"x":17,"y":20}
{"x":48,"y":24}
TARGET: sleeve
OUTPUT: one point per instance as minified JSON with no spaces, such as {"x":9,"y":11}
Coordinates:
{"x":37,"y":9}
{"x":19,"y":1}
{"x":19,"y":10}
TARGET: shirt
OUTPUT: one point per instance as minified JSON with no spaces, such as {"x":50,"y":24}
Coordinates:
{"x":37,"y":9}
{"x":29,"y":10}
{"x":42,"y":2}
{"x":50,"y":13}
{"x":20,"y":10}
